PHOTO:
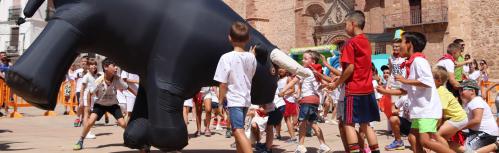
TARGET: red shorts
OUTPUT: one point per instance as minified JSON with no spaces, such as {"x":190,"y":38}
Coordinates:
{"x":458,"y":138}
{"x":291,"y":109}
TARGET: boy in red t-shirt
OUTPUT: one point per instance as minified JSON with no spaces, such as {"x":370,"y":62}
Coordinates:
{"x":360,"y":102}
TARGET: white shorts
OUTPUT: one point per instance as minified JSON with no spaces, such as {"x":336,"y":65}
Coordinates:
{"x":188,"y":103}
{"x":260,"y":121}
{"x":460,"y":125}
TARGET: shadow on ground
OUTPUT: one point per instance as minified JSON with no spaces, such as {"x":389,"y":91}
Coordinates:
{"x":3,"y":131}
{"x":5,"y":146}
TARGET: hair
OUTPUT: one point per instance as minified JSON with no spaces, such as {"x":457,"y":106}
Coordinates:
{"x":452,"y":47}
{"x":239,"y":32}
{"x":106,"y":62}
{"x":483,"y":61}
{"x":91,"y":61}
{"x":458,"y":41}
{"x":440,"y":73}
{"x":418,"y":40}
{"x":384,"y":67}
{"x":315,"y":55}
{"x":357,"y":17}
{"x":3,"y":52}
{"x":339,"y":44}
{"x":467,"y":55}
{"x":397,"y":40}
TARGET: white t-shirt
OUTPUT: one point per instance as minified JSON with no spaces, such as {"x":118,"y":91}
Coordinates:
{"x":376,"y":93}
{"x":448,"y":64}
{"x":341,"y":89}
{"x":403,"y":104}
{"x":79,"y":76}
{"x":279,"y":101}
{"x":291,"y":98}
{"x":488,"y":123}
{"x":133,"y":86}
{"x":237,"y":70}
{"x":106,"y":94}
{"x":309,"y":85}
{"x":71,"y":76}
{"x":466,"y":69}
{"x":396,"y":62}
{"x":474,"y":75}
{"x":425,"y":102}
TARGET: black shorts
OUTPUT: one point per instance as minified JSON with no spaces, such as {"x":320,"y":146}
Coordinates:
{"x":100,"y":110}
{"x":478,"y":139}
{"x":275,"y":117}
{"x":214,"y":105}
{"x":405,"y":126}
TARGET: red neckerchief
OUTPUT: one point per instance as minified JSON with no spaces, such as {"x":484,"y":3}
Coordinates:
{"x":407,"y":64}
{"x":448,"y":56}
{"x":318,"y":68}
{"x":261,"y":113}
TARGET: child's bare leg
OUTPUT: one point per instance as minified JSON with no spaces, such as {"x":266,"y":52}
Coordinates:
{"x":255,"y":130}
{"x":207,"y":109}
{"x":242,"y":142}
{"x":413,"y":140}
{"x":88,"y":124}
{"x":122,"y":122}
{"x":318,"y":132}
{"x":445,"y":132}
{"x":341,"y":127}
{"x":302,"y":132}
{"x":395,"y":123}
{"x":351,"y":137}
{"x":186,"y":115}
{"x":290,"y":126}
{"x":438,"y":147}
{"x":327,"y":105}
{"x":198,"y":112}
{"x":372,"y":140}
{"x":333,"y":117}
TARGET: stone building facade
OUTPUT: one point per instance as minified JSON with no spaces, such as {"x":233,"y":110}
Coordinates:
{"x":302,"y":23}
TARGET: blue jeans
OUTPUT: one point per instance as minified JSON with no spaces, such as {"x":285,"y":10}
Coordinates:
{"x":237,"y":116}
{"x":308,"y":112}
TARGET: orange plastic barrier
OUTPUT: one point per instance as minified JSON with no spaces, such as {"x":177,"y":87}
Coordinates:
{"x":489,"y":98}
{"x":12,"y":100}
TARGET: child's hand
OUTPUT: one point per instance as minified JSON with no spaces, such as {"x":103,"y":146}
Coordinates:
{"x":400,"y":78}
{"x":281,"y":94}
{"x":381,"y":89}
{"x":332,"y":86}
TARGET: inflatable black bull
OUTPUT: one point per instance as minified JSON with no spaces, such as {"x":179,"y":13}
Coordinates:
{"x":173,"y":45}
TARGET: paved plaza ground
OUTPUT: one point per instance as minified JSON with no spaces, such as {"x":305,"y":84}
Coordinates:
{"x":35,"y":133}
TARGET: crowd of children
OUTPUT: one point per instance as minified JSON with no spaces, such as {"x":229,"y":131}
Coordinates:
{"x":439,"y":108}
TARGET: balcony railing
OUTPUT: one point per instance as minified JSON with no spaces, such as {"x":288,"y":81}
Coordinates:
{"x":416,"y":17}
{"x":14,"y":14}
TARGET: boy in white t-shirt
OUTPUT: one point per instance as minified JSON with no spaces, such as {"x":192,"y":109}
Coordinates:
{"x":105,"y":91}
{"x":481,"y":124}
{"x":425,"y":108}
{"x":235,"y":72}
{"x":448,"y":62}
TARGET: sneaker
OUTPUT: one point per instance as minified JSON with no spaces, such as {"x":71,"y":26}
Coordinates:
{"x":228,"y":134}
{"x":323,"y":148}
{"x":395,"y":145}
{"x":300,"y":149}
{"x":78,"y":145}
{"x":90,"y":135}
{"x":260,"y":147}
{"x":76,"y":123}
{"x":292,"y":140}
{"x":218,"y":128}
{"x":278,"y":137}
{"x":233,"y":145}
